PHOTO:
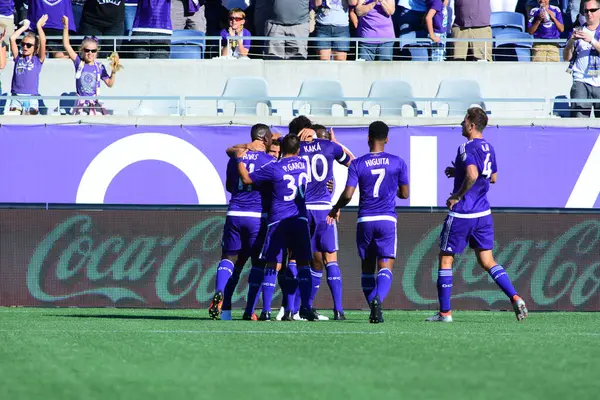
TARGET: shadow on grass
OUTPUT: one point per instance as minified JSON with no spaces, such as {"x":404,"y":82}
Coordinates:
{"x":125,"y":316}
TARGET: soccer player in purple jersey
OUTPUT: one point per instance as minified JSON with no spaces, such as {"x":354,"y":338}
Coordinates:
{"x":470,"y":219}
{"x":287,"y":223}
{"x":380,"y":177}
{"x":320,"y":155}
{"x":241,"y":238}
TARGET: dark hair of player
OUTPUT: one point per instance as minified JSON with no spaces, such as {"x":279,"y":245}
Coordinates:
{"x":275,"y":143}
{"x":378,"y":131}
{"x":299,"y":123}
{"x":322,"y":132}
{"x":478,"y":117}
{"x":290,"y":145}
{"x":259,"y":132}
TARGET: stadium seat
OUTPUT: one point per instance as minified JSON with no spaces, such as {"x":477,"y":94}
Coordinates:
{"x":508,"y":20}
{"x":156,"y":107}
{"x":390,"y":88}
{"x":416,"y":45}
{"x":252,"y":89}
{"x":187,"y":44}
{"x":325,"y":88}
{"x":561,"y":109}
{"x":65,"y":106}
{"x":508,"y":47}
{"x":458,"y":88}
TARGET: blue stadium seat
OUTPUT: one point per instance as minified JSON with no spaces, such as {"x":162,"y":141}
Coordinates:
{"x":65,"y":106}
{"x":326,"y":88}
{"x":561,"y":109}
{"x":507,"y":47}
{"x":466,"y":89}
{"x":506,"y":19}
{"x":418,"y":49}
{"x":253,"y":87}
{"x":187,"y":44}
{"x":390,"y":88}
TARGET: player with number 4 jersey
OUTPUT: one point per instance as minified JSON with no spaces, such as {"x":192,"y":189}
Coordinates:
{"x":469,"y":220}
{"x":380,"y":177}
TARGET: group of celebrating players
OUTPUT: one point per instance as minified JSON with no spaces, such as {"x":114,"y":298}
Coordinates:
{"x":281,"y":217}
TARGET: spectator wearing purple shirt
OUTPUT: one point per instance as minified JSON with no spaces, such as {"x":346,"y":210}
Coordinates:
{"x":7,"y":8}
{"x":436,"y":21}
{"x":235,"y":48}
{"x":55,"y":9}
{"x":545,"y":22}
{"x":375,"y":21}
{"x":27,"y":67}
{"x":153,"y":18}
{"x":472,"y":22}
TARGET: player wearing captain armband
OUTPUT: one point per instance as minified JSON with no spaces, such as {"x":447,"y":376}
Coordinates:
{"x":470,"y":219}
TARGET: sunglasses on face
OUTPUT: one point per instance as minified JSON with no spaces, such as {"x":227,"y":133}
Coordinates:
{"x":591,"y":10}
{"x":237,"y":19}
{"x":27,"y":45}
{"x":93,"y":51}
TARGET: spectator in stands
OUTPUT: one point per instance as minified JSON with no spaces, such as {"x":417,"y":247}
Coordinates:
{"x":436,"y":21}
{"x":235,"y":48}
{"x":288,"y":18}
{"x":7,"y":8}
{"x":103,"y":18}
{"x":130,"y":11}
{"x":55,"y":11}
{"x":583,"y":52}
{"x":332,"y":22}
{"x":409,"y":17}
{"x":27,"y":67}
{"x":188,"y":14}
{"x":89,"y":72}
{"x":245,"y":5}
{"x":153,"y":18}
{"x":545,"y":22}
{"x":77,"y":6}
{"x":375,"y":21}
{"x":472,"y":22}
{"x":2,"y":52}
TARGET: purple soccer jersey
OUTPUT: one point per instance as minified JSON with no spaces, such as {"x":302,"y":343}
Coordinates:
{"x":55,"y":10}
{"x":7,"y":8}
{"x":378,"y":176}
{"x":153,"y":16}
{"x":470,"y":221}
{"x":26,"y":75}
{"x":547,"y":28}
{"x":288,"y":227}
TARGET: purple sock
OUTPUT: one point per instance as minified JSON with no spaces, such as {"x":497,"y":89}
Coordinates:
{"x":367,"y":282}
{"x":255,"y":279}
{"x":384,"y":283}
{"x":269,"y":283}
{"x":290,"y":285}
{"x":230,"y":288}
{"x":444,"y":287}
{"x":315,"y":277}
{"x":297,"y":299}
{"x":305,"y":285}
{"x":224,"y":272}
{"x":334,"y":280}
{"x":501,"y":277}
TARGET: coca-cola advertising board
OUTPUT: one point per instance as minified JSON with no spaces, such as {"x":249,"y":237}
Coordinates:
{"x":168,"y":259}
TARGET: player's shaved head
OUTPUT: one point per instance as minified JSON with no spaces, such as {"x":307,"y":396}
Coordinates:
{"x":259,"y":132}
{"x":290,"y":145}
{"x":322,"y":132}
{"x":478,"y":117}
{"x":378,"y":131}
{"x":299,"y":123}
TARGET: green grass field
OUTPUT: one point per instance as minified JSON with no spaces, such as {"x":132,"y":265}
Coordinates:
{"x":179,"y":354}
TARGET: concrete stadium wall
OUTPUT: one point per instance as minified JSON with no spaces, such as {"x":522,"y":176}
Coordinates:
{"x":208,"y":77}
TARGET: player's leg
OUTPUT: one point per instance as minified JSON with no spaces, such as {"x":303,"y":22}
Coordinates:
{"x":300,"y":245}
{"x":453,"y":240}
{"x":385,"y":239}
{"x":326,"y":244}
{"x":482,"y":241}
{"x":232,"y":283}
{"x":273,"y":254}
{"x":288,"y":285}
{"x":257,"y":273}
{"x":230,"y":246}
{"x":366,"y":252}
{"x":316,"y":267}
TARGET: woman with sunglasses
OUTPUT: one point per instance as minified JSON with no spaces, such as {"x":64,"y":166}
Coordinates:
{"x":235,"y":48}
{"x":89,"y":72}
{"x":27,"y":67}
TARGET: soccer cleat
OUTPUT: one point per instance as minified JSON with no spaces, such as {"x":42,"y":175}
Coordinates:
{"x":287,"y":316}
{"x":280,"y":314}
{"x":309,"y":314}
{"x":440,"y":318}
{"x":520,"y":308}
{"x":250,"y":317}
{"x":297,"y":317}
{"x":338,"y":315}
{"x":265,"y":316}
{"x":319,"y":316}
{"x":226,"y":315}
{"x":214,"y":310}
{"x":376,"y":315}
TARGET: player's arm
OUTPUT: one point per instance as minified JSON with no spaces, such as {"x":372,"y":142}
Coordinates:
{"x":242,"y":171}
{"x":403,"y":191}
{"x":494,"y":177}
{"x":471,"y":175}
{"x":348,"y":156}
{"x":341,"y":203}
{"x":252,"y":146}
{"x":403,"y":186}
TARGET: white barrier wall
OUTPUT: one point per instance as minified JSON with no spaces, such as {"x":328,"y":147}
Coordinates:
{"x":207,"y":78}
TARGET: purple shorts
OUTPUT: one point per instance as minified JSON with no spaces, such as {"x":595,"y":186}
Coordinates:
{"x":457,"y":232}
{"x":376,"y":239}
{"x":287,"y":234}
{"x":241,"y":235}
{"x":323,"y":237}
